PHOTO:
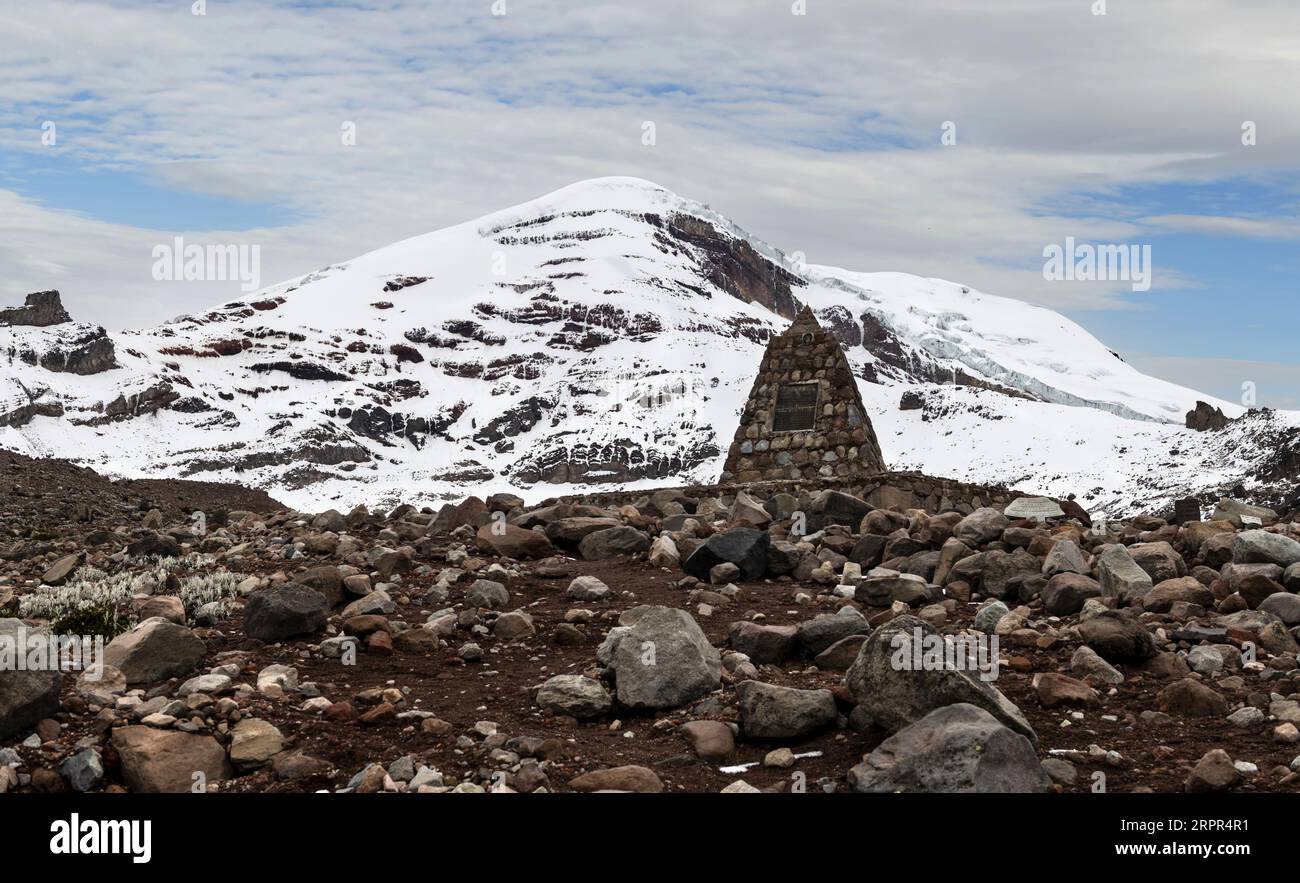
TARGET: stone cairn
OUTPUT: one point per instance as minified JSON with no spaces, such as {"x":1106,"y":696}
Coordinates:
{"x":804,"y":418}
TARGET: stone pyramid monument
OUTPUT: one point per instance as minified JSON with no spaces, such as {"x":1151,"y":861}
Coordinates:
{"x":804,"y":418}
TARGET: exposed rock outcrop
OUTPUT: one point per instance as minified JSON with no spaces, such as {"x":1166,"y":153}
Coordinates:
{"x":39,"y":309}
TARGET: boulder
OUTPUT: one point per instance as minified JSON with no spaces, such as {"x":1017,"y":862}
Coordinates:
{"x":1234,"y":511}
{"x":1214,"y":772}
{"x":1055,"y":689}
{"x":958,"y":748}
{"x":710,"y":740}
{"x":1117,"y":637}
{"x":486,"y":593}
{"x":1064,"y":557}
{"x":1268,"y":631}
{"x":981,"y":526}
{"x":763,"y":644}
{"x":892,"y":691}
{"x":587,"y":588}
{"x":571,"y":530}
{"x":836,"y":507}
{"x":83,"y":770}
{"x":1262,"y":547}
{"x":327,"y":580}
{"x":663,"y":552}
{"x":1004,"y":572}
{"x":840,"y":655}
{"x":1159,"y":560}
{"x":1066,"y":592}
{"x":988,"y":616}
{"x":253,"y":742}
{"x":58,"y":572}
{"x":1285,"y":606}
{"x":155,"y":650}
{"x":512,"y":541}
{"x":26,"y":697}
{"x":1190,"y":698}
{"x":278,"y":613}
{"x":663,"y":660}
{"x":817,"y":634}
{"x":883,"y":591}
{"x":1120,"y":575}
{"x":742,"y":546}
{"x":155,"y":761}
{"x":576,"y":696}
{"x":622,"y":778}
{"x":869,"y":551}
{"x":748,"y":512}
{"x":513,"y":625}
{"x":1087,"y":664}
{"x":769,"y":711}
{"x":1168,"y":593}
{"x":613,"y":542}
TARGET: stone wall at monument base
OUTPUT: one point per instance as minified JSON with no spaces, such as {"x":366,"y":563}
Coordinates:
{"x":886,"y":490}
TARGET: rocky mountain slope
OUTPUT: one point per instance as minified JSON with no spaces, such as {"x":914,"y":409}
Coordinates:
{"x":603,"y":334}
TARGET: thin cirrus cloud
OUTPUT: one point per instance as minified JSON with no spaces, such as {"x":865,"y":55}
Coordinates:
{"x":818,"y":133}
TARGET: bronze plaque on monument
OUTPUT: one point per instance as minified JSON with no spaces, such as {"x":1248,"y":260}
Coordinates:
{"x":796,"y":407}
{"x":1187,"y":509}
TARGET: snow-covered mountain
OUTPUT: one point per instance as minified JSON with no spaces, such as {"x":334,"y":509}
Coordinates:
{"x":607,"y":332}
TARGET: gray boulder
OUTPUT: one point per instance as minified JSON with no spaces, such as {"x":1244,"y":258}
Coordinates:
{"x":575,"y":696}
{"x":282,"y":612}
{"x":988,"y":616}
{"x":155,"y":650}
{"x":1066,"y":593}
{"x":663,"y":660}
{"x":1064,"y":557}
{"x":587,"y":588}
{"x":959,"y":748}
{"x":1262,"y":547}
{"x":1120,"y":576}
{"x":612,"y":542}
{"x":769,"y":711}
{"x":1159,"y":560}
{"x":1284,"y":606}
{"x":882,"y":591}
{"x":763,"y":644}
{"x":84,"y":770}
{"x":25,"y":696}
{"x":486,"y":593}
{"x":1004,"y":572}
{"x":816,"y":634}
{"x":981,"y":526}
{"x":893,"y":692}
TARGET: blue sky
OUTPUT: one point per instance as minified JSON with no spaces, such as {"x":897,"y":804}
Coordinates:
{"x":819,"y":133}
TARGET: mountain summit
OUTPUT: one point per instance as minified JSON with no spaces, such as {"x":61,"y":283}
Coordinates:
{"x":606,"y":333}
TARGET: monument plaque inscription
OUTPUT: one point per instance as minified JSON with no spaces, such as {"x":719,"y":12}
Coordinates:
{"x":796,"y":407}
{"x":1033,"y":507}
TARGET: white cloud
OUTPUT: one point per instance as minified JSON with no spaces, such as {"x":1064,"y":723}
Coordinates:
{"x":459,"y":113}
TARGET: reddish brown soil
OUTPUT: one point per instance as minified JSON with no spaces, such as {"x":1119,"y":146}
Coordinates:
{"x":498,"y":689}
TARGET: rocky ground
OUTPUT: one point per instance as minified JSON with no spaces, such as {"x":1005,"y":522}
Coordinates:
{"x":678,"y":643}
